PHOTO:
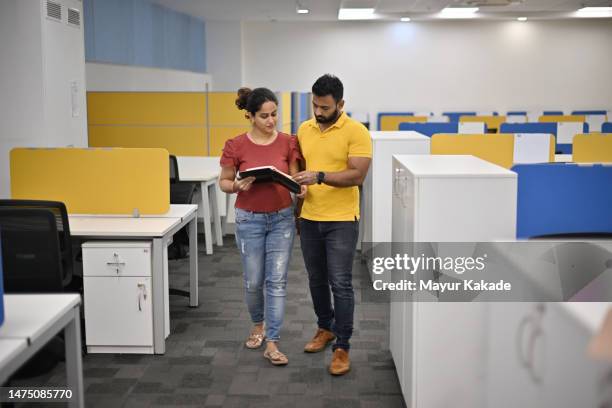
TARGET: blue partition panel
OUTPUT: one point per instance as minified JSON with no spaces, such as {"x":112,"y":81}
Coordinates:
{"x":517,"y":113}
{"x":606,"y":127}
{"x":381,"y":114}
{"x":552,"y":113}
{"x":589,"y":112}
{"x":430,"y":128}
{"x":539,"y":127}
{"x":560,"y":198}
{"x":454,"y":116}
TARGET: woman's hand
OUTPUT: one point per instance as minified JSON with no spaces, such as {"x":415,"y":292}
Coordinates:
{"x":303,"y":191}
{"x":242,"y":184}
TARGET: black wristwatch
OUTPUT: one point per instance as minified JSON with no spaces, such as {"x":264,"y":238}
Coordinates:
{"x":320,"y":177}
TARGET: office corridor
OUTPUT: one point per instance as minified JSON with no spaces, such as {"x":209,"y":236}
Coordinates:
{"x":206,"y":363}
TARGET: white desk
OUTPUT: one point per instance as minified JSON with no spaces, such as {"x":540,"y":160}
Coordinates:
{"x":31,"y":321}
{"x":158,"y":229}
{"x":205,"y":170}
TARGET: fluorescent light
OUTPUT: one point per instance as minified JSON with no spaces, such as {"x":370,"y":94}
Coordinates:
{"x":405,"y":19}
{"x":594,"y":12}
{"x":522,"y":19}
{"x":303,"y":11}
{"x":458,"y":12}
{"x":356,"y":14}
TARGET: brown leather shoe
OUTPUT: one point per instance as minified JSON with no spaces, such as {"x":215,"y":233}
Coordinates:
{"x":320,"y":340}
{"x":341,"y":363}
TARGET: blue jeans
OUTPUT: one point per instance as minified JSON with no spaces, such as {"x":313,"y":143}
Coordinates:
{"x":329,"y":248}
{"x":265,"y":241}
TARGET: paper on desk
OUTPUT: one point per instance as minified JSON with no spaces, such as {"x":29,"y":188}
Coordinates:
{"x":600,"y":347}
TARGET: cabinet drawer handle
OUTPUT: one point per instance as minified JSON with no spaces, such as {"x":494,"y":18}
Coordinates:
{"x":115,"y":263}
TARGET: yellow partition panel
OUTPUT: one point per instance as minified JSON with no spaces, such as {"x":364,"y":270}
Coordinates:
{"x":493,"y":122}
{"x":592,"y":148}
{"x":146,"y":108}
{"x":219,"y":135}
{"x":498,"y":149}
{"x":179,"y":141}
{"x":94,"y":181}
{"x":562,"y":118}
{"x":391,"y":122}
{"x":286,"y":117}
{"x":222,"y":109}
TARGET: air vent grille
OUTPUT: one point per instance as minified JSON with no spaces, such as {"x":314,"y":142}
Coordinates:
{"x":74,"y":17}
{"x":54,"y":10}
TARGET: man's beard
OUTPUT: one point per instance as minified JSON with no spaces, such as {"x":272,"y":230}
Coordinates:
{"x":329,"y":119}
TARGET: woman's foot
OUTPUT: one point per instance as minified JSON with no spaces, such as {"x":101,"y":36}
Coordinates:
{"x":274,"y":355}
{"x":256,"y":337}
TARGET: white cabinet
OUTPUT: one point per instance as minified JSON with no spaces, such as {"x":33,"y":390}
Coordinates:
{"x":537,"y":357}
{"x":118,"y":297}
{"x":375,"y":225}
{"x":439,"y":348}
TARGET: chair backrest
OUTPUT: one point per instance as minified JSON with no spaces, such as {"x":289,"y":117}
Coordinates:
{"x":174,"y":172}
{"x":58,"y":209}
{"x":30,"y":251}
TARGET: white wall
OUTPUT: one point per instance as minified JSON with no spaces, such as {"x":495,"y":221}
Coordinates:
{"x":437,"y":66}
{"x":40,"y":60}
{"x":224,"y":59}
{"x":111,"y":77}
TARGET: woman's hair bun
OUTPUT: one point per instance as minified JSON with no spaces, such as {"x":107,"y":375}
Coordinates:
{"x":243,"y":96}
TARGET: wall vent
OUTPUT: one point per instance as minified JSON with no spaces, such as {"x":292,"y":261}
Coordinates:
{"x":74,"y":17}
{"x":54,"y":10}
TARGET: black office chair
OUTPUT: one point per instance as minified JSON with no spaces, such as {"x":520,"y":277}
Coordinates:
{"x":32,"y":264}
{"x":58,"y":209}
{"x":181,"y":192}
{"x":30,"y":251}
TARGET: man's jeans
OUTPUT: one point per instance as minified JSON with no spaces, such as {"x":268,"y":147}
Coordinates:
{"x":329,"y":248}
{"x":265,"y":241}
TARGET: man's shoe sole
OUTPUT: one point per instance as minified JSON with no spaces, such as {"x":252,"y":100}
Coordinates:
{"x":340,"y":373}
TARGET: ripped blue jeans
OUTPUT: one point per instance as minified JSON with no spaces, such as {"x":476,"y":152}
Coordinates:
{"x":265,"y":241}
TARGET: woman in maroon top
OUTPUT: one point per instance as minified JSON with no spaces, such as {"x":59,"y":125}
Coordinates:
{"x":265,"y":225}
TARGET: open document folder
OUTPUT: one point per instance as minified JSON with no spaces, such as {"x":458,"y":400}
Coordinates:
{"x":265,"y":174}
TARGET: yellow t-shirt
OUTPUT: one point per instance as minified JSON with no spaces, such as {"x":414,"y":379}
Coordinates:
{"x":329,"y":151}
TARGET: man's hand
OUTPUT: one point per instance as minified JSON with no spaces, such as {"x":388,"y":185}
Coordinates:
{"x":306,"y":177}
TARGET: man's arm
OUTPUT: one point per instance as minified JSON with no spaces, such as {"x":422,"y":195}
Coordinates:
{"x":357,"y":169}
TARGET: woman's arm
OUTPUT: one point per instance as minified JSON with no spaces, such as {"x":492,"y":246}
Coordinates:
{"x":229,"y":184}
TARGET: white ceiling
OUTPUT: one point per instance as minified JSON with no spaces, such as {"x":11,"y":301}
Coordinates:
{"x":327,"y":10}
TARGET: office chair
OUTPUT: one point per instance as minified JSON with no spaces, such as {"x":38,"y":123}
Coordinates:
{"x":181,"y":192}
{"x":58,"y":209}
{"x":30,"y":251}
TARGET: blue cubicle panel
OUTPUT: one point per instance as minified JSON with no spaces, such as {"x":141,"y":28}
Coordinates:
{"x":552,"y":113}
{"x":589,"y":112}
{"x":510,"y":113}
{"x":454,"y":116}
{"x":561,"y":198}
{"x":538,"y":127}
{"x":430,"y":128}
{"x":606,"y":127}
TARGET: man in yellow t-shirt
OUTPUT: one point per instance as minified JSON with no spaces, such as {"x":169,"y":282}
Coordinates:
{"x":337,"y":151}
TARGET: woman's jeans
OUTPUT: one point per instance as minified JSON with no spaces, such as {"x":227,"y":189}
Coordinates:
{"x":265,"y":241}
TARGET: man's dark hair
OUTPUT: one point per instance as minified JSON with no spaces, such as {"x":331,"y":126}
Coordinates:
{"x":328,"y":85}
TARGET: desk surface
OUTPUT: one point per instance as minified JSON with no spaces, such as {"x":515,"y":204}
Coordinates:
{"x":29,"y":316}
{"x":198,"y":168}
{"x":176,"y":211}
{"x":10,"y":348}
{"x":425,"y":165}
{"x":121,"y":227}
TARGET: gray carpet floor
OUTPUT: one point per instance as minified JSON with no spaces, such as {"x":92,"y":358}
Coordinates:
{"x":207,"y":365}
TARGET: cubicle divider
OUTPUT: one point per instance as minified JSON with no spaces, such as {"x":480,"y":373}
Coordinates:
{"x":562,"y":199}
{"x":390,"y":120}
{"x":595,"y":118}
{"x":564,"y":132}
{"x":175,"y":121}
{"x":561,"y":118}
{"x":593,"y":148}
{"x":94,"y":181}
{"x":430,"y":128}
{"x":454,"y":116}
{"x":498,"y":149}
{"x":184,"y":123}
{"x":606,"y":127}
{"x":493,"y":122}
